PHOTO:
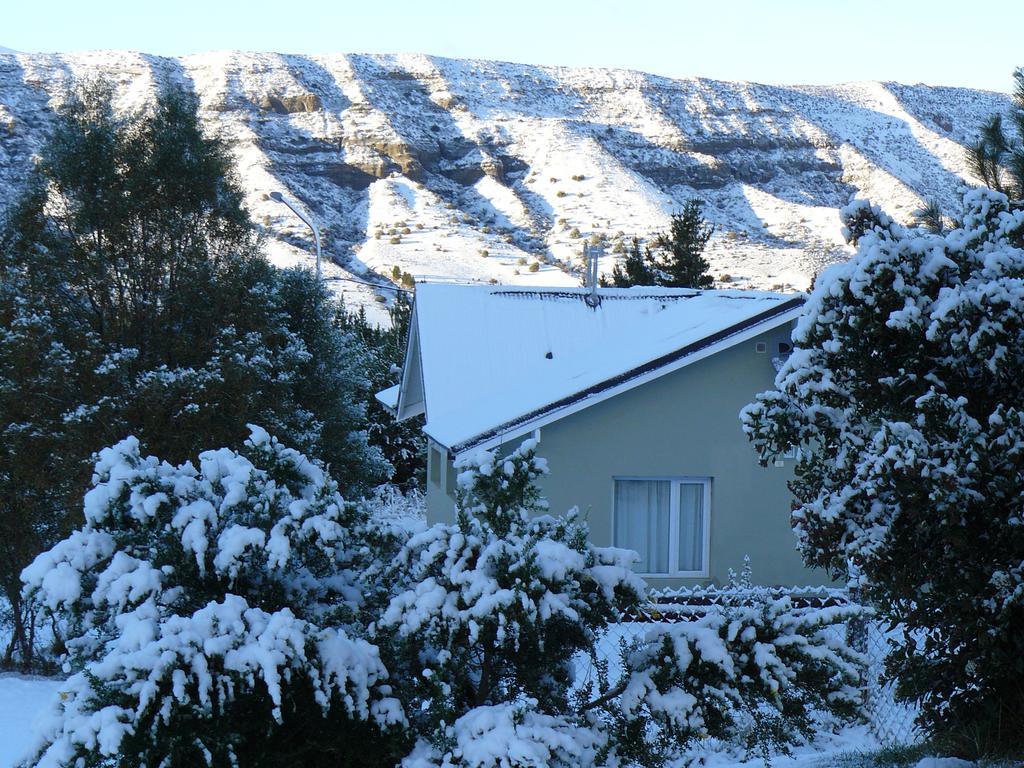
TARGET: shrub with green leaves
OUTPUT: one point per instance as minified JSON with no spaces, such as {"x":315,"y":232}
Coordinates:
{"x":494,"y":607}
{"x":759,"y":675}
{"x":904,"y":393}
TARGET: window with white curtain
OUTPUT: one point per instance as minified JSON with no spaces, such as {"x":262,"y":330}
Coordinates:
{"x":666,"y":521}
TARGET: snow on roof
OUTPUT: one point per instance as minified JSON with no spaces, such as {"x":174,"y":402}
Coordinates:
{"x":389,"y":397}
{"x":495,"y":358}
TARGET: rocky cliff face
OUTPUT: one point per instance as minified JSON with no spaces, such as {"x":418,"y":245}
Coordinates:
{"x":476,"y":170}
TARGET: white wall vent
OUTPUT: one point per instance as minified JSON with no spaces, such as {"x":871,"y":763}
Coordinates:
{"x":760,"y":347}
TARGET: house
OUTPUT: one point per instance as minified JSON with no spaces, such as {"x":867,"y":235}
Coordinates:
{"x":634,"y":396}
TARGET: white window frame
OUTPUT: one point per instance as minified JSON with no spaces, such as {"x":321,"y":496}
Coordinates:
{"x":673,"y":523}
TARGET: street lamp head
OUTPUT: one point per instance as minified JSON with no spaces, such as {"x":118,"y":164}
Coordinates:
{"x":277,"y":197}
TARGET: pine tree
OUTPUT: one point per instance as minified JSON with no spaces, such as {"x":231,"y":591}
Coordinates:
{"x":636,"y":268}
{"x":160,"y":317}
{"x":679,"y":263}
{"x":997,"y":157}
{"x":401,"y":442}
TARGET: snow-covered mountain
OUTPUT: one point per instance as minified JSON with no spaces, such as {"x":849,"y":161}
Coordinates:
{"x":479,"y":170}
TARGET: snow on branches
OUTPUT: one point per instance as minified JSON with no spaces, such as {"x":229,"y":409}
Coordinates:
{"x":497,"y":604}
{"x":242,"y":613}
{"x":511,"y":735}
{"x":757,"y":673}
{"x":493,"y":615}
{"x":904,"y":392}
{"x":206,"y":608}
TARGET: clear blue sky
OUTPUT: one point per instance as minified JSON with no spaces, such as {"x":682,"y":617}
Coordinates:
{"x":772,"y":41}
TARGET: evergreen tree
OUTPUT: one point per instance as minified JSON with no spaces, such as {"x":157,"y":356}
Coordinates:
{"x":905,"y":395}
{"x":680,"y":263}
{"x":44,"y":357}
{"x":401,"y":442}
{"x":997,"y":157}
{"x":677,"y":261}
{"x":212,"y":618}
{"x":636,"y":268}
{"x":136,"y":300}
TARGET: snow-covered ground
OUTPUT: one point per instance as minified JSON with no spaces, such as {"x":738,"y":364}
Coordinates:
{"x":22,"y":699}
{"x":822,"y":754}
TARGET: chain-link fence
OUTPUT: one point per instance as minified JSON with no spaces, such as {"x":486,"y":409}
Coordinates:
{"x":890,"y":721}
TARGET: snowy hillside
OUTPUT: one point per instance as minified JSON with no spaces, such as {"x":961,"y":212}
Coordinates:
{"x":476,"y":170}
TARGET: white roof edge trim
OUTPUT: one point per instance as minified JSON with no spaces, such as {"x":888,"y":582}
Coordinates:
{"x":560,"y":413}
{"x":412,"y":357}
{"x":412,"y":412}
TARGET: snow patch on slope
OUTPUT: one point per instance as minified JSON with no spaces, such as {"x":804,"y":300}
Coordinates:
{"x":527,"y":163}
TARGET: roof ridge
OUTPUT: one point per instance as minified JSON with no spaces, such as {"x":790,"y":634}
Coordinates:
{"x":631,"y":292}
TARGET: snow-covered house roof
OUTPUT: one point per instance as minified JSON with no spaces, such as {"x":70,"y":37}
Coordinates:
{"x":488,"y":363}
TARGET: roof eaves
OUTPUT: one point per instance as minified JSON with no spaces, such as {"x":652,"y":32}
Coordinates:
{"x":388,"y":399}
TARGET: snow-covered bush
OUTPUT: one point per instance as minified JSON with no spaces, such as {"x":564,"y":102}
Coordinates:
{"x":906,"y":395}
{"x":758,"y":675}
{"x":211,"y":617}
{"x":404,"y":507}
{"x":491,"y":615}
{"x":241,"y":613}
{"x":511,"y":735}
{"x":491,"y":610}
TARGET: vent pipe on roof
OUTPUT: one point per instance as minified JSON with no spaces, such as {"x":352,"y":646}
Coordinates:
{"x":591,"y":256}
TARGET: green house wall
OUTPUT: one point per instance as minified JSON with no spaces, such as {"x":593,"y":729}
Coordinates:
{"x":684,"y":423}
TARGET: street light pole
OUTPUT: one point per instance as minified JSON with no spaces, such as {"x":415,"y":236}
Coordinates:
{"x":278,"y":197}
